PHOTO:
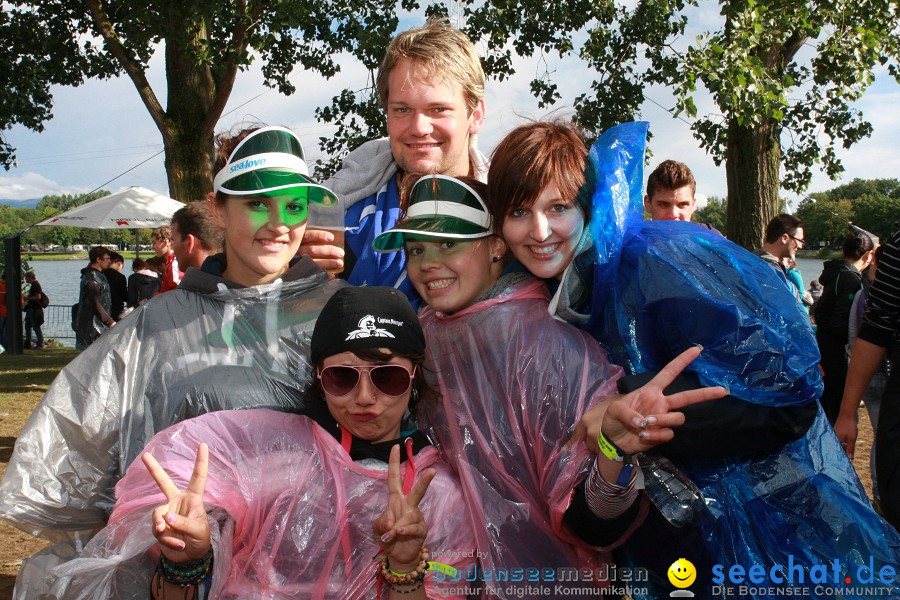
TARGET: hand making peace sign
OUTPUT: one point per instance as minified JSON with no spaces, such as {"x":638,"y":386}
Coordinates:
{"x":180,"y":525}
{"x":639,"y":420}
{"x":402,"y":527}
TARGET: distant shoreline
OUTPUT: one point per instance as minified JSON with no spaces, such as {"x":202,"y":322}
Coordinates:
{"x":35,"y":256}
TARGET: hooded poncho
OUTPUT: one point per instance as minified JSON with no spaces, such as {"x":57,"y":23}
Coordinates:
{"x":514,"y":383}
{"x":660,"y":287}
{"x":200,"y":348}
{"x":290,"y":514}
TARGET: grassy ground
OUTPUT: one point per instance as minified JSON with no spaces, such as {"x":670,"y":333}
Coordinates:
{"x":23,"y":380}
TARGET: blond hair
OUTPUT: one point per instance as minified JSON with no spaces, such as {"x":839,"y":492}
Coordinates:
{"x":162,"y":233}
{"x":443,"y":52}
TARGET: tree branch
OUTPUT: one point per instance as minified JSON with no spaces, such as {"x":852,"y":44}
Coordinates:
{"x":225,"y":85}
{"x":792,"y":46}
{"x":135,"y":72}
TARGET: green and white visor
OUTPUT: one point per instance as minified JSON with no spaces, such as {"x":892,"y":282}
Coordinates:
{"x":440,"y":207}
{"x":270,"y":162}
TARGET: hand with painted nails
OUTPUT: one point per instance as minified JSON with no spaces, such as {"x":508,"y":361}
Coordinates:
{"x":639,"y":420}
{"x":401,"y":528}
{"x":180,"y":525}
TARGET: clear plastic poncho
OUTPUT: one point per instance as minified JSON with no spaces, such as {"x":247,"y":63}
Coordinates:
{"x":514,"y":383}
{"x":198,"y":349}
{"x":290,"y":514}
{"x":660,"y":287}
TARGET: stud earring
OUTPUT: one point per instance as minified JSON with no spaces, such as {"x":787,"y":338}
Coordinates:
{"x":496,"y":259}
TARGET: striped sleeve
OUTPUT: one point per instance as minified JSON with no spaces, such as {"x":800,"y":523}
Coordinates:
{"x":608,"y":500}
{"x":882,"y":319}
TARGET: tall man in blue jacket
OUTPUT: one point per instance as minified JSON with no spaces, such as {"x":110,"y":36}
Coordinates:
{"x":431,"y":86}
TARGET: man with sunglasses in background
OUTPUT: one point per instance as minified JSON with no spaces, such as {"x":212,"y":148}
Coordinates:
{"x":784,"y":237}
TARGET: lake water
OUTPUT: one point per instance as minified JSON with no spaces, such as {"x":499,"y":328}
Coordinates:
{"x":60,"y":280}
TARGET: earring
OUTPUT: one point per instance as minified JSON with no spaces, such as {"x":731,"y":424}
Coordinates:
{"x":496,"y":259}
{"x":414,"y":396}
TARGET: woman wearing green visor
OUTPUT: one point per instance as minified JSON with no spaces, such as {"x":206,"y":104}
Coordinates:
{"x":514,"y":383}
{"x":234,"y":334}
{"x":262,"y":201}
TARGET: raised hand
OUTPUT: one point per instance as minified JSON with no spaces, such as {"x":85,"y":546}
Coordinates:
{"x":401,"y":527}
{"x":639,"y":420}
{"x":180,"y":525}
{"x":316,"y":244}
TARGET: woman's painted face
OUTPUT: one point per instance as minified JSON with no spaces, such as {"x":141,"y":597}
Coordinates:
{"x":451,"y":274}
{"x":262,"y":235}
{"x":543,"y":237}
{"x":366,"y":412}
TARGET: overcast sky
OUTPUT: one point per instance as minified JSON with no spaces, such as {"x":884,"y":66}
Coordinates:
{"x":102,"y":129}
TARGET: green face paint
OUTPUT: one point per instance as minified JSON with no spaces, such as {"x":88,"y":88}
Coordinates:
{"x":291,"y":211}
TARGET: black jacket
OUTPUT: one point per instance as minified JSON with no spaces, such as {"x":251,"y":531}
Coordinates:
{"x":141,"y":287}
{"x":118,"y":290}
{"x":840,"y":282}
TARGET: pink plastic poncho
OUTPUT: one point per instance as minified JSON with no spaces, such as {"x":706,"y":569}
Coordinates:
{"x":291,"y":514}
{"x":514,"y":383}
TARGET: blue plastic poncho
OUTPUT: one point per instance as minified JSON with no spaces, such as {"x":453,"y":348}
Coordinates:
{"x":660,"y":287}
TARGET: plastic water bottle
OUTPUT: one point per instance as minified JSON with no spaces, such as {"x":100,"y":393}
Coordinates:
{"x":671,"y":491}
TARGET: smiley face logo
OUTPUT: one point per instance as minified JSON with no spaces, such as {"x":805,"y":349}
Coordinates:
{"x":682,"y":573}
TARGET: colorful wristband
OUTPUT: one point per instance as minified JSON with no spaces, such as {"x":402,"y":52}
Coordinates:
{"x":608,"y":449}
{"x":187,"y":573}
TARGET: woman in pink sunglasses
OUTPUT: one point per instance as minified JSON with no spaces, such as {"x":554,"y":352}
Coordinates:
{"x":264,"y":504}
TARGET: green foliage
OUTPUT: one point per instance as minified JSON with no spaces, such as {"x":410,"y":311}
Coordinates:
{"x":13,"y":220}
{"x":878,"y":214}
{"x":824,"y":221}
{"x":714,"y":213}
{"x":756,"y":72}
{"x":47,"y":42}
{"x":68,"y":201}
{"x":873,"y":204}
{"x":788,"y":67}
{"x":358,"y":116}
{"x":858,"y":188}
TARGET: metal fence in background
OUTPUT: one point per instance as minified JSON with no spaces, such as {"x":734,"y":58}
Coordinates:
{"x":58,"y":323}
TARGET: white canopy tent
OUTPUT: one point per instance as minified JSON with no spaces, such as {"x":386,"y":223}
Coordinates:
{"x":134,"y":208}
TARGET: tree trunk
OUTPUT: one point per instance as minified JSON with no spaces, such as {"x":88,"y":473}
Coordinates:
{"x":752,"y":168}
{"x":189,"y":160}
{"x":191,"y":96}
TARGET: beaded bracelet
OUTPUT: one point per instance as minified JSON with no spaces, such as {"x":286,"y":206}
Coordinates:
{"x":192,"y":572}
{"x":417,"y":574}
{"x":416,"y":587}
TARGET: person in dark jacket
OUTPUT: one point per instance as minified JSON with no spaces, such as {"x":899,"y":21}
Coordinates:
{"x":94,"y":301}
{"x":879,"y":337}
{"x":34,"y":312}
{"x":142,"y":284}
{"x":840,"y":280}
{"x":118,"y":284}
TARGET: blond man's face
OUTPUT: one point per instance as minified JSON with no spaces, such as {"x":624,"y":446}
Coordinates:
{"x":429,"y":122}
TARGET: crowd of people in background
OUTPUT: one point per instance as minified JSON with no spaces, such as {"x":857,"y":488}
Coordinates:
{"x":527,"y":363}
{"x":106,"y":295}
